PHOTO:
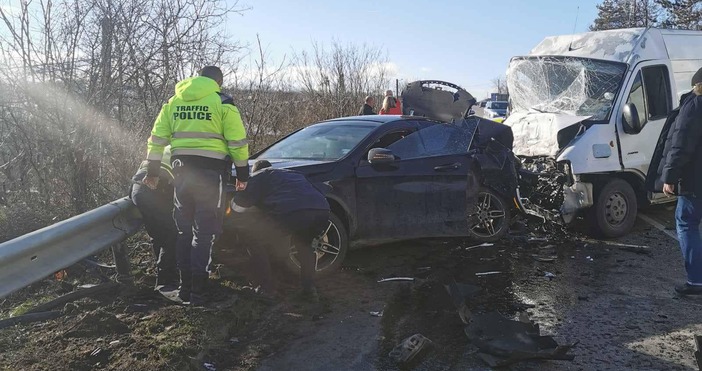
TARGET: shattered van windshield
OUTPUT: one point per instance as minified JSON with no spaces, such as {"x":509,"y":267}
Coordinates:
{"x":576,"y":86}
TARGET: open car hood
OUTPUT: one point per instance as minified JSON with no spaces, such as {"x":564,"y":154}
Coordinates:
{"x":437,"y":100}
{"x":537,"y":134}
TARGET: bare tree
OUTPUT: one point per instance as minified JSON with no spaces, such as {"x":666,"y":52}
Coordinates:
{"x":262,"y":94}
{"x":334,"y":80}
{"x":499,"y":85}
{"x":82,"y":81}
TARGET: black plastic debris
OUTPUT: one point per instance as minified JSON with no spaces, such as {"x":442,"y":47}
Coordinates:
{"x":502,"y":341}
{"x":459,"y":293}
{"x":409,"y":348}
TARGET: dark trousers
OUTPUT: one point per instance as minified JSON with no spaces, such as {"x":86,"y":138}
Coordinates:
{"x":156,"y":207}
{"x":265,"y":235}
{"x":199,"y":208}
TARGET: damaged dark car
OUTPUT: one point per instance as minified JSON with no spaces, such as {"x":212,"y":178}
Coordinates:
{"x":433,"y":172}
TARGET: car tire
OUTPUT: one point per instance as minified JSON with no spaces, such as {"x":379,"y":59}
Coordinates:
{"x":614,"y":212}
{"x":335,"y":235}
{"x":494,"y":216}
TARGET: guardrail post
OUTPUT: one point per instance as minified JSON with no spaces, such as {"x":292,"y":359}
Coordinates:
{"x":121,"y":257}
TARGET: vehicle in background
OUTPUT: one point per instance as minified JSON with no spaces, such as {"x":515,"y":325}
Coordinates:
{"x":495,"y":109}
{"x":589,"y":108}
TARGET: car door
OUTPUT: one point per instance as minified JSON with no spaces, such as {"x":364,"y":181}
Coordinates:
{"x":424,"y":192}
{"x":649,"y":91}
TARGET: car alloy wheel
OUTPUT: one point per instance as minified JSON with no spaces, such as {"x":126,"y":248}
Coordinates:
{"x":329,"y":248}
{"x":492,"y":216}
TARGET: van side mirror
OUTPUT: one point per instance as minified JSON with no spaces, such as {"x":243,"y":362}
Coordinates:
{"x":630,"y":119}
{"x":379,"y":156}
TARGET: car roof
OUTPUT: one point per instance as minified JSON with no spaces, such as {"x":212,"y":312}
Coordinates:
{"x":374,"y":119}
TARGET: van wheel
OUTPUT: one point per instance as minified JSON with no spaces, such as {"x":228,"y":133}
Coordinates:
{"x":330,"y":249}
{"x":614,"y":211}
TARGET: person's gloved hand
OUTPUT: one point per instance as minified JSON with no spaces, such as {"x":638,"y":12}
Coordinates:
{"x":240,"y":186}
{"x":151,"y":181}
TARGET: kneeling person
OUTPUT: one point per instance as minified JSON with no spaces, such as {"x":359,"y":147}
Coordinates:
{"x":288,"y":201}
{"x":156,"y":207}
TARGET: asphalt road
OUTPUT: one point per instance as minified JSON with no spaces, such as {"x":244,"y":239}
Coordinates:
{"x":614,"y":298}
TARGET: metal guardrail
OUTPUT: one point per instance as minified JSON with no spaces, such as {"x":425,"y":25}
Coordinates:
{"x":31,"y":257}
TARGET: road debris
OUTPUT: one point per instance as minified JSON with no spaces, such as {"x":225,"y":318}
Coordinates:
{"x":537,"y":239}
{"x":486,"y":244}
{"x":391,"y":279}
{"x":409,"y":348}
{"x":209,"y":366}
{"x":545,"y":259}
{"x":459,"y":292}
{"x":549,"y":275}
{"x":480,"y":274}
{"x":376,"y":314}
{"x":502,"y":341}
{"x":589,"y":258}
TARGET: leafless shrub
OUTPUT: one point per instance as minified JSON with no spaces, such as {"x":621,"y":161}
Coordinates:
{"x":83,"y":80}
{"x":334,"y":81}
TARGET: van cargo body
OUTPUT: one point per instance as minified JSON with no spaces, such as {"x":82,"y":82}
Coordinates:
{"x":593,"y":105}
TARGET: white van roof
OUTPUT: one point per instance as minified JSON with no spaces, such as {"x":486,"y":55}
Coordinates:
{"x":632,"y":45}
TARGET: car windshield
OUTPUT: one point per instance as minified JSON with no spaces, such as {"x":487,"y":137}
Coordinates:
{"x":498,"y":105}
{"x":322,"y":142}
{"x":576,"y":86}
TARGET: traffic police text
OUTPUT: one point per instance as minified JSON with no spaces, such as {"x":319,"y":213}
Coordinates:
{"x":192,"y":113}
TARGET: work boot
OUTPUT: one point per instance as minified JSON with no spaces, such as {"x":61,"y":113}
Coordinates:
{"x":166,"y":280}
{"x":186,"y":282}
{"x":688,"y":289}
{"x":197,"y":294}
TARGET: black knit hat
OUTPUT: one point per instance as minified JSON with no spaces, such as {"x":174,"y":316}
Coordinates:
{"x":697,"y":77}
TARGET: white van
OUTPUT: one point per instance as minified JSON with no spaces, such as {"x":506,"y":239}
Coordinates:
{"x":594,"y":105}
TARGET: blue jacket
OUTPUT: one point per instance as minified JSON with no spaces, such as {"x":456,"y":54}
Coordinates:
{"x":280,"y":191}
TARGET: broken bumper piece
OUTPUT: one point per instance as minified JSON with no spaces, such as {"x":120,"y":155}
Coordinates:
{"x":503,"y":341}
{"x":576,"y":197}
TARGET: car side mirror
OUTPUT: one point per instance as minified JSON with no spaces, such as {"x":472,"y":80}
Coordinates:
{"x":379,"y":156}
{"x":630,"y":119}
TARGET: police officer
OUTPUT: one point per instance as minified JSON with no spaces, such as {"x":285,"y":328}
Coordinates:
{"x":156,"y":207}
{"x":205,"y":131}
{"x":291,"y":204}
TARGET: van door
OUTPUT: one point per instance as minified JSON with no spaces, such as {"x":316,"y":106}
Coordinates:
{"x":649,"y":90}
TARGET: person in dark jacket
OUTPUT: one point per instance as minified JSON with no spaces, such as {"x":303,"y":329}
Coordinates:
{"x":156,"y":207}
{"x":367,"y":108}
{"x":287,"y":204}
{"x":681,"y":175}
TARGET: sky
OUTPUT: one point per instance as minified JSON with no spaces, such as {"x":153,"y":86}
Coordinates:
{"x":465,"y":42}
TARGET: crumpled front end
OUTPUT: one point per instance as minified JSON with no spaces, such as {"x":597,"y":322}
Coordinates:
{"x":555,"y":100}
